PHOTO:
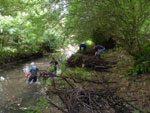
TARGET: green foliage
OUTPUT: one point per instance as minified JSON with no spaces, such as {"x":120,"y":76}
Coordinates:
{"x":78,"y":73}
{"x":43,"y":102}
{"x":53,"y":39}
{"x":142,"y":67}
{"x":125,"y":21}
{"x":142,"y":63}
{"x":100,"y":37}
{"x":32,"y":111}
{"x":25,"y":25}
{"x":51,"y":68}
{"x":81,"y":73}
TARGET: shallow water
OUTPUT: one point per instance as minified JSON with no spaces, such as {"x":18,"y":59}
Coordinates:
{"x":15,"y":93}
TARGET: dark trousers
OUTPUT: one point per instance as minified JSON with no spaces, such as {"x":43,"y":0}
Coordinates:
{"x":34,"y":78}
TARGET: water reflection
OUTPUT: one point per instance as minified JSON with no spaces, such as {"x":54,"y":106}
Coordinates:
{"x":2,"y":79}
{"x":15,"y":94}
{"x":26,"y":69}
{"x":1,"y":88}
{"x":13,"y":88}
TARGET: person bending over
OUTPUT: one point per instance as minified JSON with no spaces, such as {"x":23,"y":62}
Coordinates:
{"x":83,"y":46}
{"x":98,"y":50}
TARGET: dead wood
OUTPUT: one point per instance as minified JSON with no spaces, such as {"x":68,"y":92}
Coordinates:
{"x":75,"y":99}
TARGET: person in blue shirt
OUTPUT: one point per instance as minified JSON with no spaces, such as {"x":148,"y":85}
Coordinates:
{"x":33,"y":73}
{"x":83,"y":46}
{"x":98,"y":50}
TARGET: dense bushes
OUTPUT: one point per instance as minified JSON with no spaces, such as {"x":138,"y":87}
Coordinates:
{"x":125,"y":21}
{"x":102,"y":38}
{"x":52,"y":22}
{"x":142,"y":59}
{"x":24,"y":31}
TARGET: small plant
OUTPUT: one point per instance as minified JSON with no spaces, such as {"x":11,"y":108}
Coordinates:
{"x":33,"y":111}
{"x":43,"y":102}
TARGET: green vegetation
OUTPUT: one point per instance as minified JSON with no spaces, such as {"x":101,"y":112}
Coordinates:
{"x":127,"y":22}
{"x":27,"y":25}
{"x":30,"y":26}
{"x":40,"y":106}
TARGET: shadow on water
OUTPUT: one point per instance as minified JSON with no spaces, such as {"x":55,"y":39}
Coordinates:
{"x":15,"y":93}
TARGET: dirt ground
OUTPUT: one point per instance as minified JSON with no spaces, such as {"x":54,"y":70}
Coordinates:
{"x":113,"y":65}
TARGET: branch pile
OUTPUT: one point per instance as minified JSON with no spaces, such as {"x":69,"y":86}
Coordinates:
{"x":78,"y":99}
{"x":89,"y":62}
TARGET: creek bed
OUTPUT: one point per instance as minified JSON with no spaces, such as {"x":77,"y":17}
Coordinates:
{"x":15,"y":93}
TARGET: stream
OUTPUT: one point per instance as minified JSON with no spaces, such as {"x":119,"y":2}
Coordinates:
{"x":15,"y":93}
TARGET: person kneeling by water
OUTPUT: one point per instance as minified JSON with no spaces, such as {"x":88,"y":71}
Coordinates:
{"x":33,"y":73}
